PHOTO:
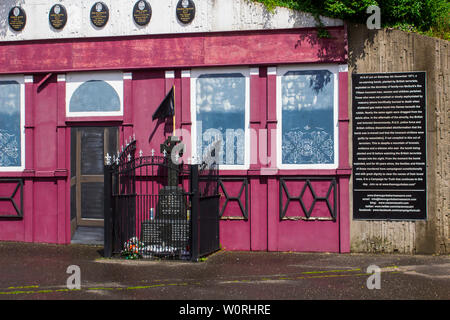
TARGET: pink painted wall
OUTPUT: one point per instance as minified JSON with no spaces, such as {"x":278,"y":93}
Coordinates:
{"x":140,"y":52}
{"x":46,"y":179}
{"x":43,"y":190}
{"x":148,"y":90}
{"x":264,"y":230}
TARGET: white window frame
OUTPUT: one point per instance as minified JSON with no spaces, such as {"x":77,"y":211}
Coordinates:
{"x":74,"y":80}
{"x":21,"y":80}
{"x":195,"y":73}
{"x":281,"y":70}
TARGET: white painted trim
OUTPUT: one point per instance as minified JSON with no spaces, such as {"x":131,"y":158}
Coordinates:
{"x":74,"y":80}
{"x":170,"y":74}
{"x":343,"y":68}
{"x":21,"y":80}
{"x":272,"y":71}
{"x":28,"y":79}
{"x":186,"y":73}
{"x":280,"y":72}
{"x":254,"y":71}
{"x":61,"y":77}
{"x":128,"y":76}
{"x":195,"y":73}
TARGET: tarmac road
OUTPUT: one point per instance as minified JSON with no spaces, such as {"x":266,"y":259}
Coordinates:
{"x":39,"y":272}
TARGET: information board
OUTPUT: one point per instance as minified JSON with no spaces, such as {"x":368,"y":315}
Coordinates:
{"x":389,"y":146}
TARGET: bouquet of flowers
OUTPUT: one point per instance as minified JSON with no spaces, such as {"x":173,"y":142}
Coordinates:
{"x":132,"y":249}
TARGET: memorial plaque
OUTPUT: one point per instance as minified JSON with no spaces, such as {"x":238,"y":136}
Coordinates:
{"x":99,"y":14}
{"x":142,"y":13}
{"x":167,"y":235}
{"x":57,"y":16}
{"x":155,"y":232}
{"x":172,"y":203}
{"x":185,"y":11}
{"x":389,"y":146}
{"x":17,"y":18}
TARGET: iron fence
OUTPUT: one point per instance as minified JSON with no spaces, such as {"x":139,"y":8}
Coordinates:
{"x":145,"y":217}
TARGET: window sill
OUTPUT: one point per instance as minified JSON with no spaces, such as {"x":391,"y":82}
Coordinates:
{"x":110,"y":119}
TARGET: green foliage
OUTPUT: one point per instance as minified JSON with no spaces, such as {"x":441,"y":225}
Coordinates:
{"x":430,"y":17}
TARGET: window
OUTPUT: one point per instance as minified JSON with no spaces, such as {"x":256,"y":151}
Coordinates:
{"x":12,"y":120}
{"x":94,"y":94}
{"x":307,"y":99}
{"x":220,"y":111}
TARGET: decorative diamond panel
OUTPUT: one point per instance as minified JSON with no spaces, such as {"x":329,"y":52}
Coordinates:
{"x":307,"y":197}
{"x":224,"y":192}
{"x":11,"y":198}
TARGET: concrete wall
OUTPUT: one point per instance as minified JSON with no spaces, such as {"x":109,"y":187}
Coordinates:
{"x":388,"y":50}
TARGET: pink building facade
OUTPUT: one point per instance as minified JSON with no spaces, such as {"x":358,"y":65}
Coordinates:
{"x":271,"y":200}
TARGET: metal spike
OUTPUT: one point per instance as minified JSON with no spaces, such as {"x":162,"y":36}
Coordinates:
{"x":164,"y":153}
{"x":153,"y":152}
{"x":141,"y":153}
{"x":129,"y":157}
{"x":134,"y":137}
{"x":108,"y":159}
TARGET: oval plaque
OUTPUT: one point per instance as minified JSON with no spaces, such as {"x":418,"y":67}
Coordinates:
{"x":99,"y":14}
{"x":142,"y":12}
{"x":185,"y":11}
{"x":58,"y":16}
{"x":17,"y":18}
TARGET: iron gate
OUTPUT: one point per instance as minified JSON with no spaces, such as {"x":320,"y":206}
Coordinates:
{"x":146,"y":217}
{"x":205,"y":204}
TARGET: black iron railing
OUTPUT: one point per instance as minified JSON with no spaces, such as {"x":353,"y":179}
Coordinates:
{"x":145,"y":217}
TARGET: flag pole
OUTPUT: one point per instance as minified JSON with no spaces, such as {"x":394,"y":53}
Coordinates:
{"x":174,"y":104}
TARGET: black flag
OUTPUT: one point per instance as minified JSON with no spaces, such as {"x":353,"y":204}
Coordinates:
{"x":166,"y":108}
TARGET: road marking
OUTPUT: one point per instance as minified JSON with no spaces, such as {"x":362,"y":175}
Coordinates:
{"x":338,"y":275}
{"x":264,"y":279}
{"x":147,"y":287}
{"x":94,"y":289}
{"x":327,"y":271}
{"x":307,"y":277}
{"x":24,"y":287}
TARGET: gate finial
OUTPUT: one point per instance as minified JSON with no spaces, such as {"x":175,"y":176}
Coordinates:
{"x":108,"y":159}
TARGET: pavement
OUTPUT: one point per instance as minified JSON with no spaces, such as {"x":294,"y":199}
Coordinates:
{"x":40,"y":272}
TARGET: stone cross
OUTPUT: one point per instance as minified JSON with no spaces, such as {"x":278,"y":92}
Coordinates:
{"x":167,"y":148}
